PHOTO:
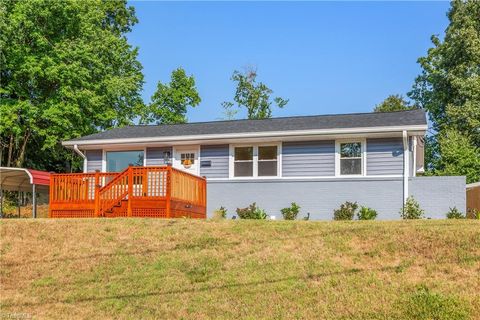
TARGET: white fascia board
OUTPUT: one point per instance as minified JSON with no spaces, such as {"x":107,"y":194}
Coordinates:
{"x":246,"y":135}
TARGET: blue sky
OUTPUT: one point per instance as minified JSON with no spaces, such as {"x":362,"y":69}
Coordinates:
{"x":326,"y":57}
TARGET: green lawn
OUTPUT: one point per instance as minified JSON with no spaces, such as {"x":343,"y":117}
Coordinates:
{"x":148,"y":268}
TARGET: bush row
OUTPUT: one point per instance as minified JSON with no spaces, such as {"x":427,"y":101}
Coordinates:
{"x":346,"y":211}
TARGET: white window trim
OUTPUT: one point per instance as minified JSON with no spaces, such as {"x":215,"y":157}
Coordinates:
{"x":363,"y":142}
{"x":231,"y":160}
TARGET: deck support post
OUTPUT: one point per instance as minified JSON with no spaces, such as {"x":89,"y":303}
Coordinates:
{"x":168,"y":195}
{"x":130,"y":190}
{"x":97,"y":193}
{"x":51,"y":188}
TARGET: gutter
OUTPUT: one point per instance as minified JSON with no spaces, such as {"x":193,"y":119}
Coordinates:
{"x":84,"y":157}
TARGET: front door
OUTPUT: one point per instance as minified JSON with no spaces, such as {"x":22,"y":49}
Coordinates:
{"x":186,"y":159}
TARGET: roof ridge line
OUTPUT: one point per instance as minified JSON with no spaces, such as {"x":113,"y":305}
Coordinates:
{"x":273,"y":118}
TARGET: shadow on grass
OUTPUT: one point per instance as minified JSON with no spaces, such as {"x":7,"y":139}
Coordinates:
{"x":309,"y":277}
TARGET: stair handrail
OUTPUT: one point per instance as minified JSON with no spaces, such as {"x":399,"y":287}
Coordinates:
{"x":117,"y":188}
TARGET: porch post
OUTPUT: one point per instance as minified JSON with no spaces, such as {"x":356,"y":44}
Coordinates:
{"x":97,"y":193}
{"x":34,"y":201}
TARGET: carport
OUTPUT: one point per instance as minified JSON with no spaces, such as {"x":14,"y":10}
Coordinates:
{"x":24,"y":180}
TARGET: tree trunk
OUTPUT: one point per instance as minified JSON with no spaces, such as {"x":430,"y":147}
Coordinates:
{"x":21,"y":155}
{"x":10,"y":151}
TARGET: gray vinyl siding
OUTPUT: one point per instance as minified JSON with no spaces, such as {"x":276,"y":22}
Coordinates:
{"x":94,"y":160}
{"x":384,"y":156}
{"x":218,"y":156}
{"x":156,"y":156}
{"x":308,"y":158}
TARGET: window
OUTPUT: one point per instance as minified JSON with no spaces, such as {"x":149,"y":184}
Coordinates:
{"x":350,"y":158}
{"x":255,"y":161}
{"x":187,"y":156}
{"x":243,"y":162}
{"x":119,"y":160}
{"x":267,"y":161}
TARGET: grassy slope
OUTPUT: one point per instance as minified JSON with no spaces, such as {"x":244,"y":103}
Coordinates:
{"x":134,"y":268}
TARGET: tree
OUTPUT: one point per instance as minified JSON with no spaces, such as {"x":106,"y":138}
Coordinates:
{"x":456,"y":156}
{"x":229,"y":113}
{"x":393,"y":103}
{"x":67,"y":70}
{"x":253,"y":95}
{"x":449,"y":85}
{"x":170,"y":101}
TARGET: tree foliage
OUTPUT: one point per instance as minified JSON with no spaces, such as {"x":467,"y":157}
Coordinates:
{"x":254,"y":96}
{"x":170,"y":101}
{"x":393,"y":103}
{"x":449,"y":89}
{"x":458,"y":156}
{"x":67,"y":70}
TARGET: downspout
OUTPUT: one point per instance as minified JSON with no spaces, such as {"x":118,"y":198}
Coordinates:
{"x":406,"y":156}
{"x":414,"y":164}
{"x":75,"y":147}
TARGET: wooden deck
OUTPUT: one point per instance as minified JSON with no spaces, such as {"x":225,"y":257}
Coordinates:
{"x":157,"y":192}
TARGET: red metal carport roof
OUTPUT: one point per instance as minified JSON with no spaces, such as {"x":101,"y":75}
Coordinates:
{"x":21,"y":179}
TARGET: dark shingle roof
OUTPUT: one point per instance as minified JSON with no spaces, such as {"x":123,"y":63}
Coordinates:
{"x":337,"y":121}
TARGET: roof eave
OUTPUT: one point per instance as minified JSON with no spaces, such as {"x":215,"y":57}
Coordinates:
{"x":264,"y":134}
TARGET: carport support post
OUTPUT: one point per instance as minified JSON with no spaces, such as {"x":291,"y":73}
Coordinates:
{"x":18,"y":202}
{"x":34,"y":201}
{"x":1,"y":202}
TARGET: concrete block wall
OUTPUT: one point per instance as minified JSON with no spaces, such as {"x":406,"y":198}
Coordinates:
{"x":320,"y":197}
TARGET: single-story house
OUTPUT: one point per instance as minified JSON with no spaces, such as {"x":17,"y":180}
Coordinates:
{"x":319,"y":162}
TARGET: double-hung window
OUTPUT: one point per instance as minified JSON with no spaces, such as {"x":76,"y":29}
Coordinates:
{"x":350,"y":155}
{"x":243,"y":162}
{"x":255,"y":161}
{"x":267,"y":161}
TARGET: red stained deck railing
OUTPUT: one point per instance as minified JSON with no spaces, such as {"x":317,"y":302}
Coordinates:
{"x":163,"y":192}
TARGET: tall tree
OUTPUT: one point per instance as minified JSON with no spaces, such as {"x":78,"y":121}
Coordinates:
{"x":66,"y":70}
{"x":458,"y":156}
{"x":393,"y":103}
{"x":449,"y":86}
{"x":170,"y":101}
{"x":254,"y":96}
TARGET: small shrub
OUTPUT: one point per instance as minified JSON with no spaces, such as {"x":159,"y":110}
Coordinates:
{"x":411,"y":209}
{"x":454,"y":213}
{"x":346,"y":211}
{"x":367,"y":213}
{"x":291,"y":212}
{"x":251,"y":212}
{"x":220,"y":213}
